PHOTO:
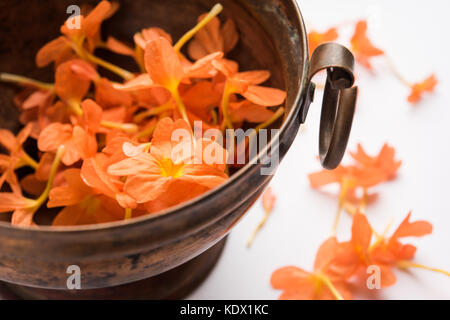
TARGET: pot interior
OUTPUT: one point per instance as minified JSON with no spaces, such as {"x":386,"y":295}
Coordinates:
{"x":271,"y":37}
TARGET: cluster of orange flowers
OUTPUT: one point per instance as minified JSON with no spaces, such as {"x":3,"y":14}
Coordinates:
{"x":364,"y":51}
{"x":368,"y":258}
{"x":105,"y":148}
{"x":341,"y":267}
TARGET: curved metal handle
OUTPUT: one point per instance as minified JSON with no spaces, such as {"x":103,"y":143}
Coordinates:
{"x":339,"y":100}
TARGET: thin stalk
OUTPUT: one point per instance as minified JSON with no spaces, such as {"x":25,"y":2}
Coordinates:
{"x":126,"y":127}
{"x":258,"y":228}
{"x":408,"y":264}
{"x":343,"y":193}
{"x":332,"y":288}
{"x":54,"y":169}
{"x":152,"y":112}
{"x":180,"y":104}
{"x":226,"y":123}
{"x":126,"y":75}
{"x":14,"y":78}
{"x":128,"y":213}
{"x":396,"y":73}
{"x":188,"y":35}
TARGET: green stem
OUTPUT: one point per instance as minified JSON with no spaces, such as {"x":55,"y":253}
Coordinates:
{"x":29,"y":160}
{"x":332,"y":288}
{"x":13,"y":78}
{"x":126,"y":127}
{"x":128,"y":213}
{"x":180,"y":104}
{"x":188,"y":35}
{"x":54,"y":169}
{"x":109,"y":66}
{"x":152,"y":112}
{"x":226,"y":123}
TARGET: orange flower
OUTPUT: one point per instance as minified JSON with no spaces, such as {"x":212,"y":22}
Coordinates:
{"x":17,"y":157}
{"x":23,"y":209}
{"x":60,"y":49}
{"x":212,"y":38}
{"x":315,"y":38}
{"x":71,"y":86}
{"x":418,"y":89}
{"x":79,"y":139}
{"x":366,"y":172}
{"x":356,"y":255}
{"x":246,"y":84}
{"x":321,"y":284}
{"x":83,"y":204}
{"x":170,"y":173}
{"x":362,"y":47}
{"x":391,"y":250}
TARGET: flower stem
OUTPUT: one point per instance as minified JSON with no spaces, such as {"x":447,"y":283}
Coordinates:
{"x":226,"y":123}
{"x":147,"y":132}
{"x":14,"y":78}
{"x":258,"y":228}
{"x":403,"y":264}
{"x":55,"y":165}
{"x":126,"y":127}
{"x":128,"y":213}
{"x":344,"y":189}
{"x":152,"y":112}
{"x":188,"y":35}
{"x":180,"y":104}
{"x":29,"y":160}
{"x":109,"y":66}
{"x":396,"y":73}
{"x":332,"y":288}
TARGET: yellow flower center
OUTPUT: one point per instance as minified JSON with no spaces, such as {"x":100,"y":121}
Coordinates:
{"x":170,"y":169}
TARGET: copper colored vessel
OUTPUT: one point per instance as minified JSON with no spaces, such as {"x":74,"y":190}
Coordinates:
{"x":167,"y":254}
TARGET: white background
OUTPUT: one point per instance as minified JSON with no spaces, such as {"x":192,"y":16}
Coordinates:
{"x":415,"y":36}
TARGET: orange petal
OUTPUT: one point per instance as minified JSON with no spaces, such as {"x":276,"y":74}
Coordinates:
{"x":265,"y":96}
{"x":95,"y":18}
{"x":11,"y":201}
{"x":92,"y":115}
{"x":69,"y":216}
{"x":146,"y":187}
{"x":290,"y":278}
{"x":361,"y":232}
{"x":153,"y":33}
{"x":230,"y":35}
{"x":418,"y":89}
{"x":85,"y":142}
{"x":162,"y":63}
{"x":317,"y":38}
{"x":268,"y":199}
{"x":84,"y":69}
{"x":362,"y":47}
{"x":253,"y":77}
{"x":325,"y":254}
{"x":250,"y":112}
{"x":71,"y":193}
{"x":142,"y":81}
{"x":119,"y":47}
{"x":30,"y":184}
{"x":69,"y":85}
{"x":51,"y":51}
{"x":53,"y":136}
{"x":8,"y":140}
{"x":412,"y":229}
